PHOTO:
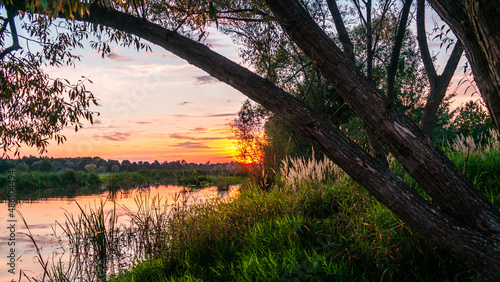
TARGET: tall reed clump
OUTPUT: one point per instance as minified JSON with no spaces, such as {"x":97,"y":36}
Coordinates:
{"x":95,"y":240}
{"x":150,"y":224}
{"x":99,"y":246}
{"x":480,"y":161}
{"x":299,"y":171}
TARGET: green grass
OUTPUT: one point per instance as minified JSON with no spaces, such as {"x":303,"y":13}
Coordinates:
{"x":192,"y":178}
{"x":333,"y":232}
{"x":35,"y":185}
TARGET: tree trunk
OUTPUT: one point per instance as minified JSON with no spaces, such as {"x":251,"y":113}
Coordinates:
{"x":438,"y":84}
{"x":477,"y":24}
{"x":467,"y":226}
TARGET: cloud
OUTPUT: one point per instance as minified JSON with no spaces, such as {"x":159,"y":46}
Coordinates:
{"x":205,"y":79}
{"x":116,"y":136}
{"x":180,"y":136}
{"x":222,"y":115}
{"x":143,"y":122}
{"x":191,"y":145}
{"x":199,"y":129}
{"x":185,"y":103}
{"x":119,"y":58}
{"x":216,"y":43}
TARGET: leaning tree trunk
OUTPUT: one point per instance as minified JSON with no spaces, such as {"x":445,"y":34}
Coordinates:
{"x":467,"y":226}
{"x":477,"y":24}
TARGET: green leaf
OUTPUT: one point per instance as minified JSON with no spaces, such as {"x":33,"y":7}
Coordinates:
{"x":44,"y":4}
{"x":212,"y":13}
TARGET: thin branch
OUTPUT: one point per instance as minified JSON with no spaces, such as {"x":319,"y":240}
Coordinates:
{"x":452,"y":64}
{"x":358,"y":7}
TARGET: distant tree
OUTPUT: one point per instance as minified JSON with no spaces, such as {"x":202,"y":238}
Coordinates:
{"x":70,"y":164}
{"x":124,"y":165}
{"x":23,"y":167}
{"x":146,"y":165}
{"x":115,"y":169}
{"x":57,"y":165}
{"x":111,"y":163}
{"x":4,"y":166}
{"x":156,"y":165}
{"x":249,"y":130}
{"x":133,"y":167}
{"x":45,"y":165}
{"x":472,"y":119}
{"x":101,"y":169}
{"x":100,"y":162}
{"x":91,"y":168}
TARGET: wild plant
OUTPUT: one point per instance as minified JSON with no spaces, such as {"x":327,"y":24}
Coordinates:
{"x":99,"y":246}
{"x":299,"y":171}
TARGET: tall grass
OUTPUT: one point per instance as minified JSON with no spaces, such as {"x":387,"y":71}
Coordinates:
{"x":301,"y":171}
{"x":329,"y":230}
{"x":480,"y":162}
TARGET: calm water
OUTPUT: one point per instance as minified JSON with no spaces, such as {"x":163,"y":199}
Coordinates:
{"x":42,"y":217}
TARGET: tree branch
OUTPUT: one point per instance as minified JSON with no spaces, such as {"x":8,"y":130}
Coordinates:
{"x":422,"y":43}
{"x":11,"y":14}
{"x":398,"y":44}
{"x":438,"y":90}
{"x":339,"y":25}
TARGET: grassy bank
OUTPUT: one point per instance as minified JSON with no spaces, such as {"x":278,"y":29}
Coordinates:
{"x":330,"y":231}
{"x":36,"y":185}
{"x":193,"y":178}
{"x":315,"y":224}
{"x":70,"y":183}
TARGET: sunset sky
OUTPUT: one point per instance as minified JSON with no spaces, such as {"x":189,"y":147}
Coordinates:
{"x":155,"y":106}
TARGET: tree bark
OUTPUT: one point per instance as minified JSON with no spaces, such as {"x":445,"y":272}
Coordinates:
{"x":438,"y":83}
{"x":477,"y":24}
{"x":468,"y":230}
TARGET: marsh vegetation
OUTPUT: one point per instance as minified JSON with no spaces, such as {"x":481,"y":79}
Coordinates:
{"x":315,"y":223}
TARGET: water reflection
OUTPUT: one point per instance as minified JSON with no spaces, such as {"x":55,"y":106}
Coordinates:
{"x":43,"y":215}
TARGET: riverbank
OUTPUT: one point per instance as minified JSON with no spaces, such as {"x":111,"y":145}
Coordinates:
{"x":319,"y":230}
{"x":70,"y":183}
{"x":323,"y":231}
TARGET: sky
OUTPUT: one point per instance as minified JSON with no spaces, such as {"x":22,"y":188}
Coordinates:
{"x":155,"y":106}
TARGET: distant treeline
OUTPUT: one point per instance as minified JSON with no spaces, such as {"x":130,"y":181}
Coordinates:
{"x":99,"y":165}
